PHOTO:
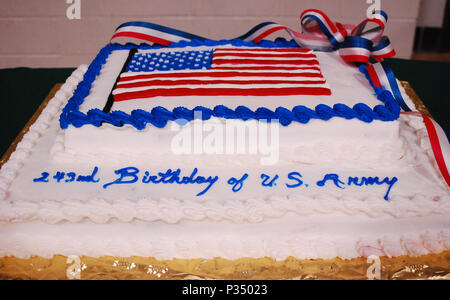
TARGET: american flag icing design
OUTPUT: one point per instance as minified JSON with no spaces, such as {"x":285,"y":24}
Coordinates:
{"x":221,"y":72}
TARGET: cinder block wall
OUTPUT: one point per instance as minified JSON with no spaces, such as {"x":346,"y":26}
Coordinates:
{"x":37,"y":33}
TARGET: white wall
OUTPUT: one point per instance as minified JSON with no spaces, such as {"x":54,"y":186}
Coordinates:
{"x":431,"y":13}
{"x":37,"y":33}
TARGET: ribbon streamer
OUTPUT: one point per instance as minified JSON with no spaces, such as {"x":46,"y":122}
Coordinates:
{"x":381,"y":75}
{"x":319,"y":33}
{"x":439,"y":144}
{"x":154,"y":33}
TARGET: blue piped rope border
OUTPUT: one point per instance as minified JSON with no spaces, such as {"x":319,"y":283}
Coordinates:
{"x":159,"y":116}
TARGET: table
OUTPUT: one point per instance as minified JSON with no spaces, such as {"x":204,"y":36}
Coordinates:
{"x":23,"y":89}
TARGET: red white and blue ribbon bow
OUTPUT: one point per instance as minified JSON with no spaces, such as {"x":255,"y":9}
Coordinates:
{"x":355,"y":43}
{"x":319,"y":33}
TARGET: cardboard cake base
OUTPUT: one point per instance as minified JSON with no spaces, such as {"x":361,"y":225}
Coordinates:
{"x":433,"y":266}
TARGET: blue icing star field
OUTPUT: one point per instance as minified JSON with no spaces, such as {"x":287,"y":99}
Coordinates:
{"x":167,"y":61}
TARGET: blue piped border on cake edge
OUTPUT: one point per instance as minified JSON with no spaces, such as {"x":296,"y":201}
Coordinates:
{"x":159,"y":116}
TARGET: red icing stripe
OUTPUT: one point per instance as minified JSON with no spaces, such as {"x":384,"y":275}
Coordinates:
{"x":295,"y":50}
{"x":264,"y":62}
{"x":142,"y":36}
{"x":205,"y":82}
{"x":219,"y":74}
{"x":436,"y":146}
{"x":280,"y":55}
{"x":222,"y":92}
{"x":262,"y":68}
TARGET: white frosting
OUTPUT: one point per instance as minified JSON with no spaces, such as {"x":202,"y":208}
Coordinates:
{"x":370,"y":144}
{"x":169,"y":222}
{"x":326,"y":236}
{"x":419,"y":192}
{"x":338,"y":140}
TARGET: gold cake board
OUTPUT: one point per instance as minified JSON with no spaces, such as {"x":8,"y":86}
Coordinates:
{"x":432,"y":266}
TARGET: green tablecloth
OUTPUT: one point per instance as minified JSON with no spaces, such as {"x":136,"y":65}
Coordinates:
{"x":23,"y":89}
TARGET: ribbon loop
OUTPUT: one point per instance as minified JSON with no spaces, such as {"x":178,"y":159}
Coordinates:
{"x":355,"y":44}
{"x":315,"y":21}
{"x":380,"y":19}
{"x":356,"y":49}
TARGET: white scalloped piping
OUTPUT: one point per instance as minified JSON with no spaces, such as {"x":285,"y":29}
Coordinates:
{"x":10,"y":169}
{"x":238,"y":211}
{"x":279,"y":248}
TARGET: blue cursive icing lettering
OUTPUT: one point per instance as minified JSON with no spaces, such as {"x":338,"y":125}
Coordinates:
{"x":267,"y":182}
{"x":295,"y":176}
{"x":43,"y":178}
{"x":373,"y":180}
{"x":359,"y":181}
{"x":132,"y":175}
{"x":69,"y":177}
{"x":129,"y":175}
{"x":237,"y":183}
{"x":88,"y":178}
{"x":334,"y":178}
